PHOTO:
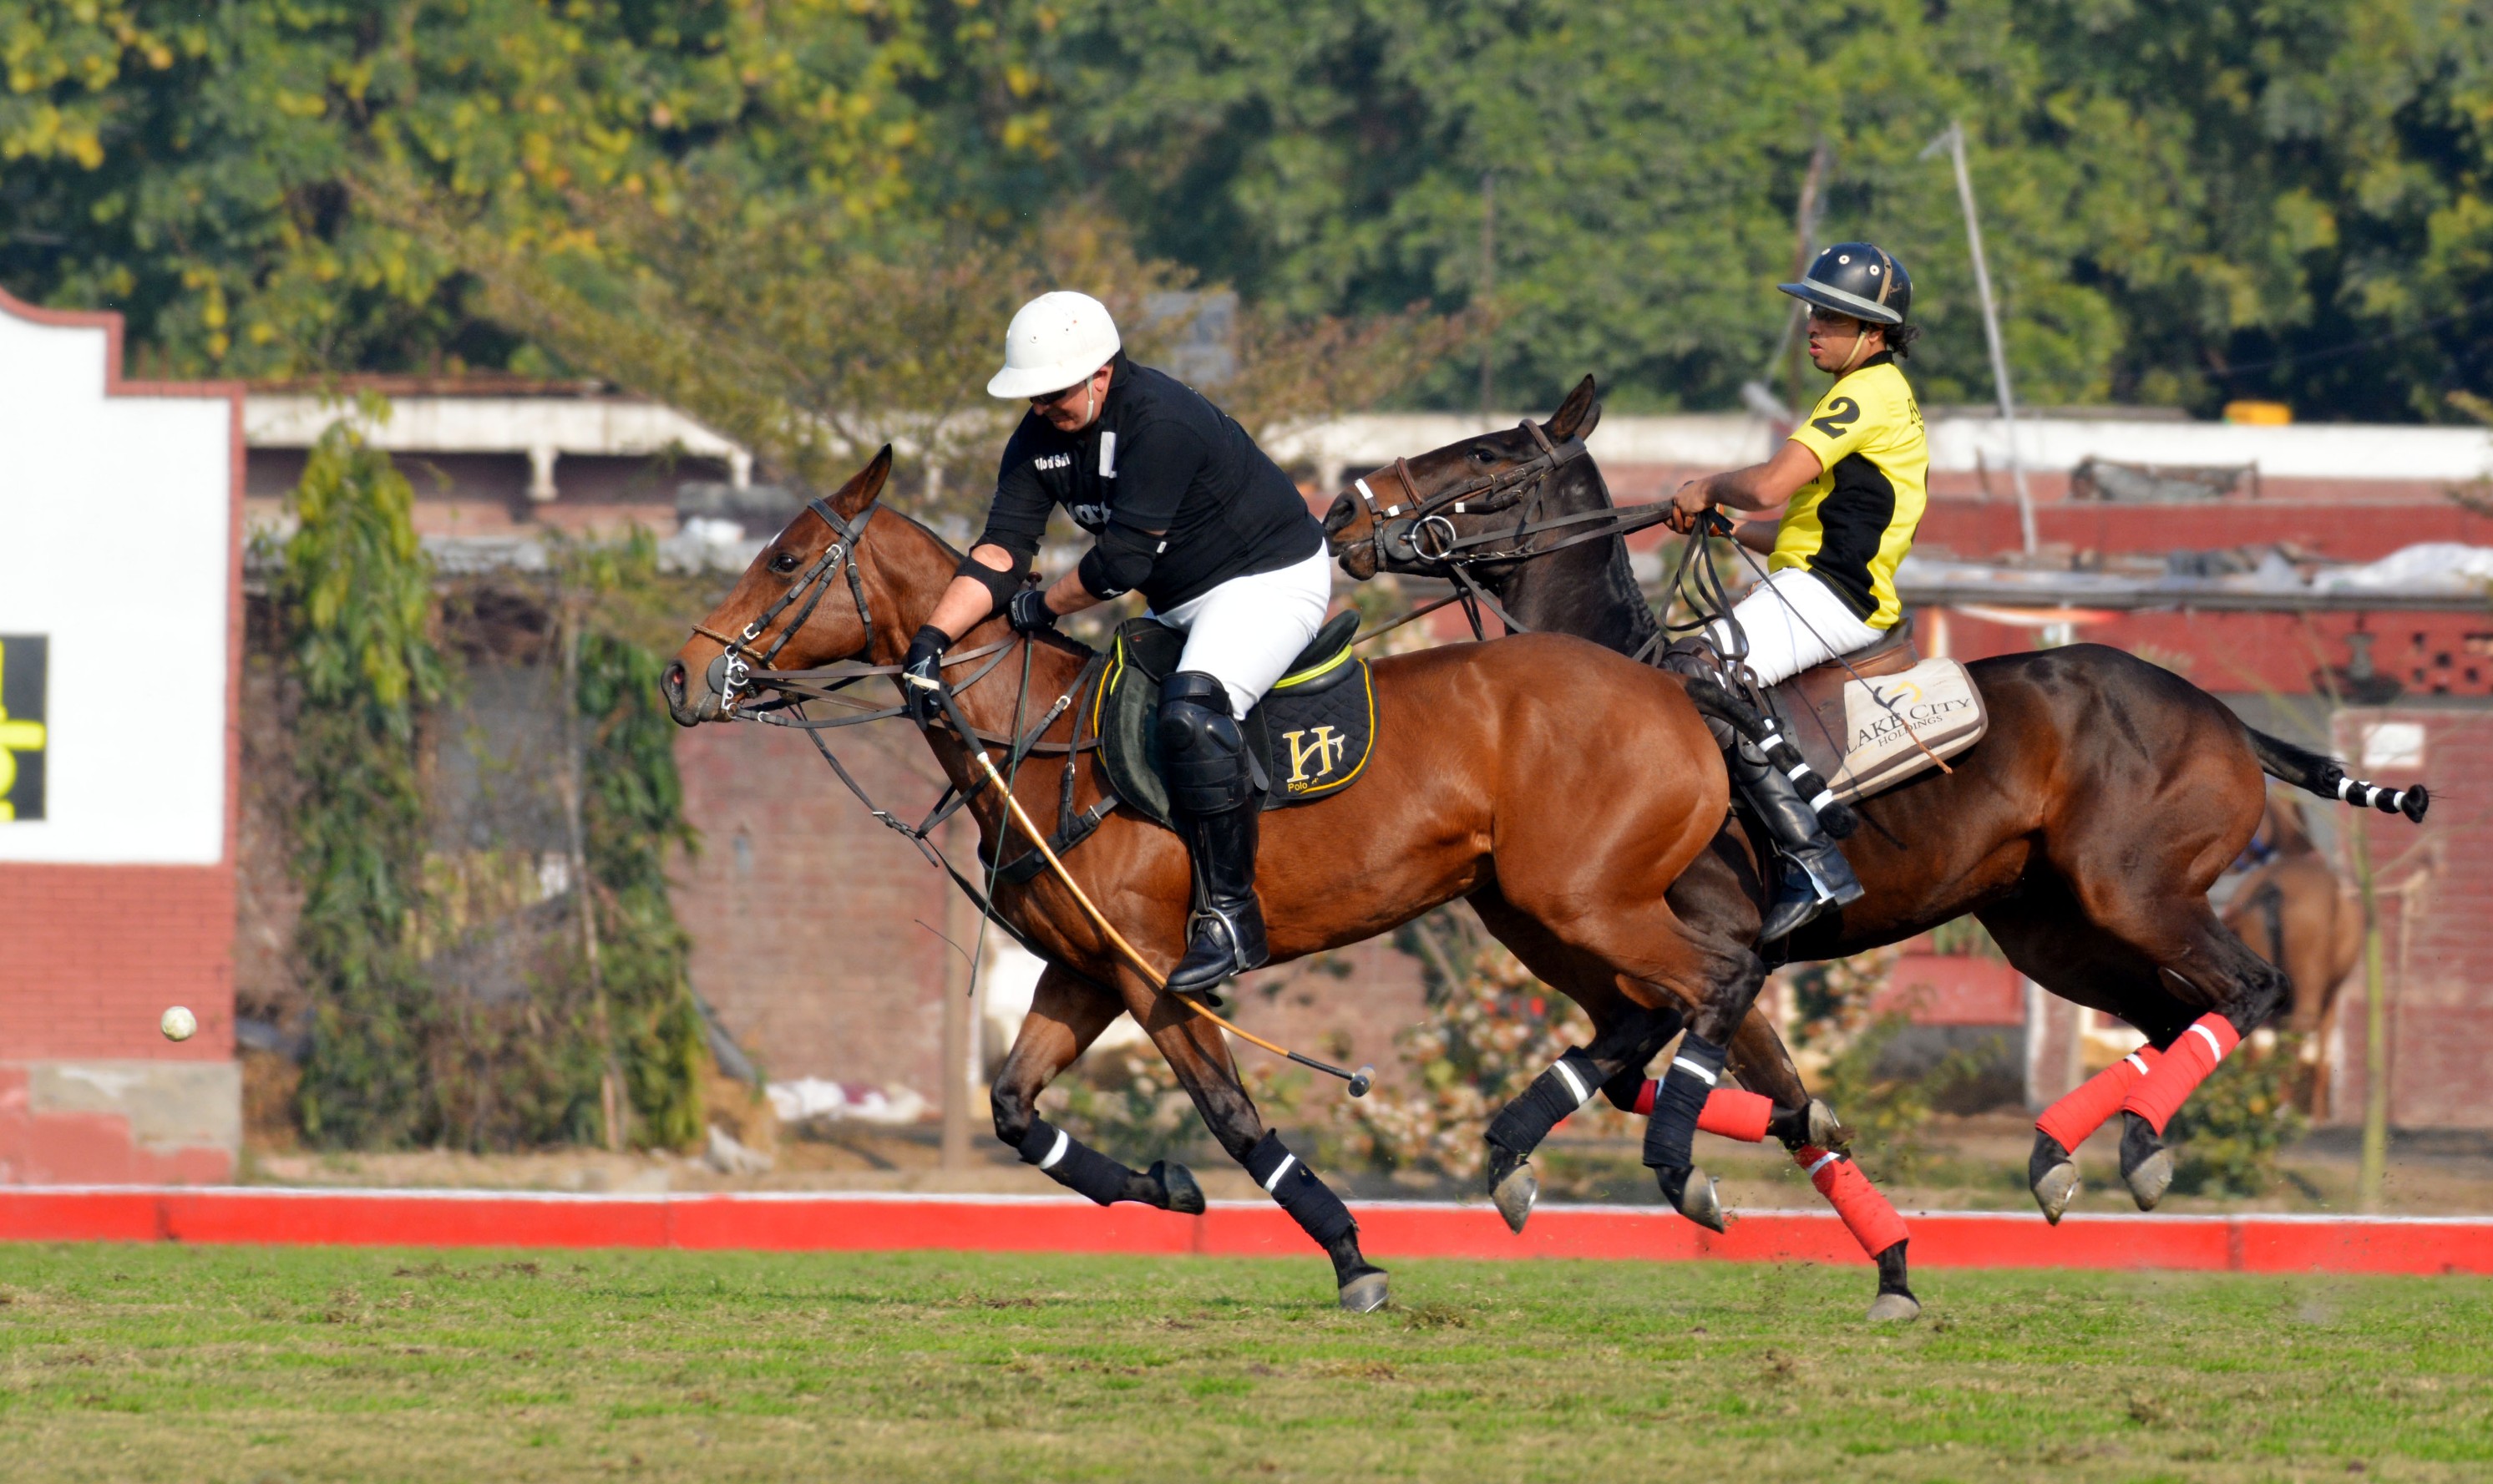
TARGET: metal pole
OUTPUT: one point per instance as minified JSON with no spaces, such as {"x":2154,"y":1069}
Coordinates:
{"x":2376,"y":1029}
{"x":1954,"y":140}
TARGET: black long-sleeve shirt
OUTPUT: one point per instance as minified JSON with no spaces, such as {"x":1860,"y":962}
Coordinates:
{"x":1158,"y":458}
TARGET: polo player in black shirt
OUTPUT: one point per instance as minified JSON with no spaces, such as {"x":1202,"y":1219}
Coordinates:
{"x":1185,"y":509}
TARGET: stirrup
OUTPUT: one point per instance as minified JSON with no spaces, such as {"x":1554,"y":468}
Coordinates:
{"x":1199,"y":926}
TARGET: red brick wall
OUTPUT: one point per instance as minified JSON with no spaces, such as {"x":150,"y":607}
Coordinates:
{"x":2435,"y":888}
{"x":90,"y":956}
{"x":806,"y":938}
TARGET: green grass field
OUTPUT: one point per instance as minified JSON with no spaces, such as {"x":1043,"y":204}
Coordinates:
{"x":122,"y":1362}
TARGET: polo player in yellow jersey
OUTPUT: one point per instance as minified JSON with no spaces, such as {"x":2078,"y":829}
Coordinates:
{"x":1851,"y":482}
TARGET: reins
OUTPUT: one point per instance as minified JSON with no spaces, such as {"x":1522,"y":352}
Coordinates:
{"x":1456,"y":553}
{"x":798,"y":688}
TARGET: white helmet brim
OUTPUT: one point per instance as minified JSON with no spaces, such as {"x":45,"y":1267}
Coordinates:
{"x":1053,"y":342}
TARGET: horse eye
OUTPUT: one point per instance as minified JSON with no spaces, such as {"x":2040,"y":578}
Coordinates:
{"x":1483,"y":455}
{"x":785,"y":561}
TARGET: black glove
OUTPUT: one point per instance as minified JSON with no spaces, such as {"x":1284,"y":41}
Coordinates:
{"x":1028,"y":613}
{"x":921,"y":675}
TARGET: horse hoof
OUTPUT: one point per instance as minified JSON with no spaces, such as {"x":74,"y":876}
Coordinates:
{"x":1515,"y":1195}
{"x":2149,"y":1179}
{"x":1184,"y":1196}
{"x":2053,"y":1192}
{"x":2145,"y":1165}
{"x":1889,"y":1308}
{"x":1698,"y":1202}
{"x":1364,"y":1295}
{"x":1826,"y":1130}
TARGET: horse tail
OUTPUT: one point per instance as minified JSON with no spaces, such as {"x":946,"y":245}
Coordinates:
{"x":2326,"y":777}
{"x":1713,"y":700}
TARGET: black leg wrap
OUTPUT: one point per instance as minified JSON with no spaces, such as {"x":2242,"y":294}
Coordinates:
{"x":1624,"y":1090}
{"x":1073,"y":1164}
{"x":1546,"y":1104}
{"x":1317,"y":1210}
{"x":1671,"y":1135}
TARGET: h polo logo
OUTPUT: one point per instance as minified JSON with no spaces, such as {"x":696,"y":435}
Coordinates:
{"x":1324,"y":746}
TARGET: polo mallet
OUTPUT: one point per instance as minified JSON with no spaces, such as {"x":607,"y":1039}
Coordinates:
{"x":1360,"y":1081}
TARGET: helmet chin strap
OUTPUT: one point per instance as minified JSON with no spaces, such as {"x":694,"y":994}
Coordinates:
{"x":1860,"y":339}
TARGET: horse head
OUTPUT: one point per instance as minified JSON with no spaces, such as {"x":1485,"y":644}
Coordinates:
{"x":835,"y":584}
{"x":1409,"y":515}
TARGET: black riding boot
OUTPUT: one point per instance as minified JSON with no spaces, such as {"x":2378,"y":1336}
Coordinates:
{"x":1217,"y":805}
{"x":1811,"y":873}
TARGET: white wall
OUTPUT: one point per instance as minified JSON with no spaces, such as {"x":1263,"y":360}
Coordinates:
{"x":115,"y":539}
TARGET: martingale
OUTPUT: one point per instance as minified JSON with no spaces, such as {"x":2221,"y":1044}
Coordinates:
{"x":1310,"y":738}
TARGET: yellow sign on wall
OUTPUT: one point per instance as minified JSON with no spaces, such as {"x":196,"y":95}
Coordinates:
{"x":22,"y":660}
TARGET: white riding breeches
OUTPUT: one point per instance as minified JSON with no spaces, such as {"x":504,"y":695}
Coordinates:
{"x":1801,"y":623}
{"x":1245,"y":632}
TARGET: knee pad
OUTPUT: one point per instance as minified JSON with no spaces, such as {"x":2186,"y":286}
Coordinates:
{"x":1203,"y":750}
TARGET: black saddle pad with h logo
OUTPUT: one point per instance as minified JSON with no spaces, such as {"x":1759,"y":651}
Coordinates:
{"x":1310,"y":738}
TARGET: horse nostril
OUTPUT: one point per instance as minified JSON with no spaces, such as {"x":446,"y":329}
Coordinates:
{"x":1339,"y":515}
{"x":672,"y":681}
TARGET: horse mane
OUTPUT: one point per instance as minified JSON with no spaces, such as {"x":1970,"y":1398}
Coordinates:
{"x":1589,"y":588}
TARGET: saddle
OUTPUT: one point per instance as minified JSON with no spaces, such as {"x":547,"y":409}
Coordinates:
{"x":1858,"y":741}
{"x":1308,"y":739}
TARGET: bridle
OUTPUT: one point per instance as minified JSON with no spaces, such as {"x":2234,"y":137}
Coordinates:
{"x":734,"y":670}
{"x":1420,"y":526}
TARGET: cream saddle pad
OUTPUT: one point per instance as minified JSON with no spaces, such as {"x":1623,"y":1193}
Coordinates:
{"x":1873,"y":734}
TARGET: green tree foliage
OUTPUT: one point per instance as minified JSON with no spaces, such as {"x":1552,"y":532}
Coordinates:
{"x":632,"y":806}
{"x":2186,"y":201}
{"x":355,"y":598}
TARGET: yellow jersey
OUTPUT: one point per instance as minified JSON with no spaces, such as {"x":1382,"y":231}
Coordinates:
{"x":1853,"y":523}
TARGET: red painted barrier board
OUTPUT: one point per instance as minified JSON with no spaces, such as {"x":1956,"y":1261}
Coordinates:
{"x":884,"y":1222}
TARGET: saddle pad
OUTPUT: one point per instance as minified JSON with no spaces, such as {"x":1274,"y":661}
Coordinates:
{"x":1861,"y":746}
{"x":1310,"y":738}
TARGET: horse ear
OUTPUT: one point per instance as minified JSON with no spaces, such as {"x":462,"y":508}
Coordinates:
{"x":1576,"y":416}
{"x":865,"y":487}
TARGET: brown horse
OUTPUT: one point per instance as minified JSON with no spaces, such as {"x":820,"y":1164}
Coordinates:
{"x":2293,"y":911}
{"x":1481,"y":785}
{"x":2084,"y":830}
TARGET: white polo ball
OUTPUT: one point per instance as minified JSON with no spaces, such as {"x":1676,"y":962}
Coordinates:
{"x":178,"y":1024}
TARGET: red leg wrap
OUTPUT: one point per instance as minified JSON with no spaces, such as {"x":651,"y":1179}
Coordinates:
{"x":2186,"y":1064}
{"x":2082,"y":1111}
{"x":1866,"y":1213}
{"x":1730,"y":1112}
{"x":1736,"y":1113}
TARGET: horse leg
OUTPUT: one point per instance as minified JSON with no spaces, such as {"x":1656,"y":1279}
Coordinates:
{"x":1199,"y":1056}
{"x":1065,"y":1015}
{"x":1641,"y":942}
{"x":2239,"y":991}
{"x":2048,"y":937}
{"x":1626,"y":1036}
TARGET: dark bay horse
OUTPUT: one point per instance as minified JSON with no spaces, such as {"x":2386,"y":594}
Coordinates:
{"x":2082,"y":831}
{"x":1480,"y":786}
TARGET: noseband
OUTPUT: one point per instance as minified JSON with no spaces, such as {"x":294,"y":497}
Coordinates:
{"x":1421,"y":526}
{"x":734,"y":669}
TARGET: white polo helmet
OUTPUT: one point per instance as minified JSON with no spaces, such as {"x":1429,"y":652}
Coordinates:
{"x":1053,"y":342}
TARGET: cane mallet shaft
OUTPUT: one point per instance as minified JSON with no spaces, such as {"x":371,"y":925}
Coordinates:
{"x":1360,"y":1081}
